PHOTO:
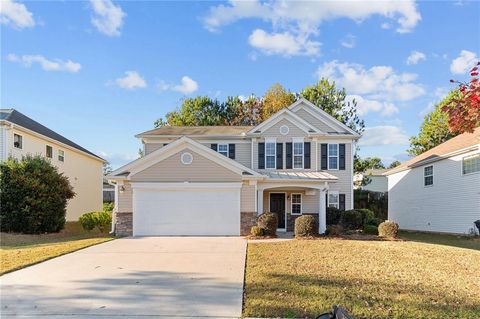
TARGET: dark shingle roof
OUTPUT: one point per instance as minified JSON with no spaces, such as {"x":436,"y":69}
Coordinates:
{"x":20,"y":119}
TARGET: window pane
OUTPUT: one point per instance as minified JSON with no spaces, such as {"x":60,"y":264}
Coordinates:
{"x":332,"y":162}
{"x":471,"y":164}
{"x":270,"y":149}
{"x":222,"y":147}
{"x":298,"y":148}
{"x":17,"y":141}
{"x":296,"y":209}
{"x":297,"y":161}
{"x":270,"y":162}
{"x":332,"y":149}
{"x":332,"y":198}
{"x":428,"y":180}
{"x":428,"y":170}
{"x":296,"y":198}
{"x":49,"y":151}
{"x":61,"y":155}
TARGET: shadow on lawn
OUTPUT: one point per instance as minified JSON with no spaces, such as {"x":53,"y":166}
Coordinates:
{"x":442,"y":239}
{"x":309,"y":296}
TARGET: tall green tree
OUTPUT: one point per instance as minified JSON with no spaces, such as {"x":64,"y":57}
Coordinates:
{"x":361,"y":165}
{"x":275,"y":99}
{"x":334,"y":101}
{"x":394,"y":164}
{"x":434,"y":129}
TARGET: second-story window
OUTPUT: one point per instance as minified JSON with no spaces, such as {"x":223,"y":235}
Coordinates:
{"x":61,"y":156}
{"x":332,"y":156}
{"x":428,"y":175}
{"x":223,"y":149}
{"x":270,"y":155}
{"x":298,"y":155}
{"x":17,"y":141}
{"x":48,"y":151}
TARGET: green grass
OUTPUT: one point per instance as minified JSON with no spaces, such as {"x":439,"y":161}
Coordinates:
{"x":21,"y":250}
{"x":442,"y":239}
{"x":372,"y":279}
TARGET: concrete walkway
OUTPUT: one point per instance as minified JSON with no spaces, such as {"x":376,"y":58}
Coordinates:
{"x":174,"y":277}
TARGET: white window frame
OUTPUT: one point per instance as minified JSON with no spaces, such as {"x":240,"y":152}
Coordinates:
{"x":337,"y":204}
{"x":429,"y":175}
{"x":61,"y":156}
{"x":463,"y":164}
{"x":292,"y":203}
{"x":46,"y":153}
{"x":21,"y":141}
{"x":337,"y":156}
{"x":298,"y":141}
{"x":274,"y":142}
{"x":222,"y":152}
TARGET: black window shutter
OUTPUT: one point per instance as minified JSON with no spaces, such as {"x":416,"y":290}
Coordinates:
{"x":288,"y":156}
{"x":341,"y":200}
{"x":261,"y":155}
{"x":341,"y":160}
{"x":279,"y":156}
{"x":213,"y":147}
{"x":324,"y":156}
{"x":231,"y":151}
{"x":306,"y":155}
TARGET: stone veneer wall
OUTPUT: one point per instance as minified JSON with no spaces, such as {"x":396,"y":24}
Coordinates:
{"x":247,"y":220}
{"x":123,"y":224}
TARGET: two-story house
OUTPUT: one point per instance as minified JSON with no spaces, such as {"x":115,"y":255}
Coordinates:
{"x":215,"y":180}
{"x":20,"y":136}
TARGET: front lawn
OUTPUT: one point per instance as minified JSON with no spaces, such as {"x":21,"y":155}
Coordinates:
{"x":373,"y":279}
{"x":442,"y":239}
{"x":19,"y":250}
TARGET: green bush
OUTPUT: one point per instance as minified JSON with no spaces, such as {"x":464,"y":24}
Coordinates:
{"x":367,"y":215}
{"x":306,"y":226}
{"x":370,"y":229}
{"x":256,"y":231}
{"x":333,"y":215}
{"x":334,"y":230}
{"x":352,"y":219}
{"x":268,"y":222}
{"x":100,"y":220}
{"x":374,"y":221}
{"x":33,"y":196}
{"x":388,"y":229}
{"x":108,"y":207}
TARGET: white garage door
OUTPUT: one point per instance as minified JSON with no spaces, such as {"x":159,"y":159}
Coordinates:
{"x":198,"y":209}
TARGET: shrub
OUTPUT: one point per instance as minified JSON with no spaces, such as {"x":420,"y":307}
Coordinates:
{"x":33,"y":196}
{"x":367,"y":215}
{"x":388,"y":229}
{"x":99,"y":220}
{"x":306,"y":226}
{"x":256,"y":231}
{"x":352,"y":219}
{"x":334,"y":230}
{"x":108,"y":207}
{"x":370,"y":229}
{"x":333,"y":215}
{"x":268,"y":222}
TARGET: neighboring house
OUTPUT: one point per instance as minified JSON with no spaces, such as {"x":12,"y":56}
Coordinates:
{"x":20,"y":135}
{"x":378,"y":181}
{"x":215,"y":180}
{"x":108,"y":192}
{"x":438,"y":190}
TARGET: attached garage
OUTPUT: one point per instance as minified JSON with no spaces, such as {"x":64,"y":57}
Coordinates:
{"x":190,"y":209}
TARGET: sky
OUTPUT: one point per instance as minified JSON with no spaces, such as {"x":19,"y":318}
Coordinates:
{"x":99,"y":72}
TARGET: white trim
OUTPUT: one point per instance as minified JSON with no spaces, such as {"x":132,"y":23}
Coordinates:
{"x":223,"y":144}
{"x":430,"y":175}
{"x":298,"y":140}
{"x":269,"y":200}
{"x":284,"y":114}
{"x":328,"y":157}
{"x":58,"y":155}
{"x":338,"y":198}
{"x":352,"y":147}
{"x":46,"y":153}
{"x":463,"y":162}
{"x":21,"y":141}
{"x":292,"y":203}
{"x":253,"y":141}
{"x":286,"y":129}
{"x":172,"y":186}
{"x":271,"y":140}
{"x":186,"y":161}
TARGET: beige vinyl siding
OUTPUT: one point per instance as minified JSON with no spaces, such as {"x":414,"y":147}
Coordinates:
{"x":242,"y":152}
{"x":274,"y":131}
{"x":344,"y":184}
{"x":172,"y":170}
{"x":247,"y":199}
{"x":124,"y":204}
{"x":322,"y":126}
{"x":152,"y":147}
{"x":310,"y":203}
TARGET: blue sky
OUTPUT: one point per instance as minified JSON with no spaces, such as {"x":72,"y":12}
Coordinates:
{"x":100,"y":72}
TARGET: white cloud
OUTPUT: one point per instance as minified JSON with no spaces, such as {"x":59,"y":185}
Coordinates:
{"x":15,"y":14}
{"x":349,"y":41}
{"x":415,"y":57}
{"x":379,"y":82}
{"x":282,"y":43}
{"x":132,"y":80}
{"x":365,"y":106}
{"x":108,"y":18}
{"x":386,"y":26}
{"x":187,"y":86}
{"x":45,"y":64}
{"x":465,"y":61}
{"x":383,"y":135}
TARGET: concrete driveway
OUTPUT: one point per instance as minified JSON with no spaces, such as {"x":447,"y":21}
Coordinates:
{"x":133,"y":278}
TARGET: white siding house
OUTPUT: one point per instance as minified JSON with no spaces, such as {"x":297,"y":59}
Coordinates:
{"x":438,"y":191}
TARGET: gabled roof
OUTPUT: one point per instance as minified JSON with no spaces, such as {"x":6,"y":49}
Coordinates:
{"x":197,"y":130}
{"x":454,"y":146}
{"x":172,"y":148}
{"x":17,"y":118}
{"x":284,"y":114}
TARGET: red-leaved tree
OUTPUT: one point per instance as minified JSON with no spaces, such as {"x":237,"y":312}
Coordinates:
{"x":464,"y":112}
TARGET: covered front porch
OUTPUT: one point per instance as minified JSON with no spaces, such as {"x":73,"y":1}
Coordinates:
{"x":293,"y":194}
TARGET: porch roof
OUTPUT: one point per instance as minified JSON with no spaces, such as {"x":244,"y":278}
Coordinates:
{"x":301,"y":176}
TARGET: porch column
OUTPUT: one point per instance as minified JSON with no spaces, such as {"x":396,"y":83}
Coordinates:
{"x":259,"y":201}
{"x":322,"y":213}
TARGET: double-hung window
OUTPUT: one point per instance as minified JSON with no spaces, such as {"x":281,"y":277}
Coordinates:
{"x":471,"y":164}
{"x":332,"y":156}
{"x":333,"y":199}
{"x":61,"y":155}
{"x":296,"y":204}
{"x":17,"y":141}
{"x":428,"y":175}
{"x":223,"y":149}
{"x":48,"y":151}
{"x":270,"y":154}
{"x":298,"y":154}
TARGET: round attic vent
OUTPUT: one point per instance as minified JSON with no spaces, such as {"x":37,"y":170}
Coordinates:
{"x":284,"y":130}
{"x":186,"y":158}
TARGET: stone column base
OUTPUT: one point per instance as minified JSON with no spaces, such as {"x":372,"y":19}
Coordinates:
{"x":123,"y":224}
{"x":247,"y":220}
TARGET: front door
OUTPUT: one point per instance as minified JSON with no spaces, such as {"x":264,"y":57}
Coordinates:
{"x":277,"y":205}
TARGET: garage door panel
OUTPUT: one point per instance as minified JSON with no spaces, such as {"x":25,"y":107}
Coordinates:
{"x":186,"y":212}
